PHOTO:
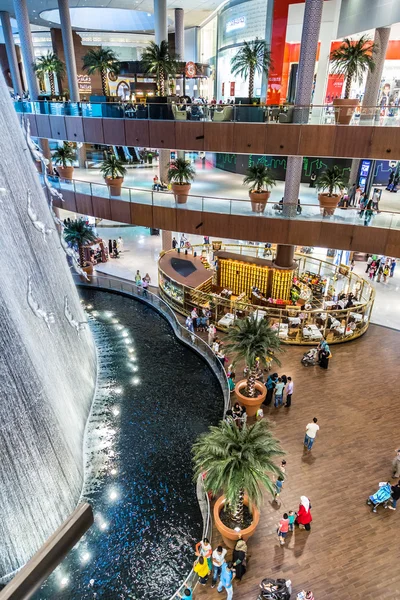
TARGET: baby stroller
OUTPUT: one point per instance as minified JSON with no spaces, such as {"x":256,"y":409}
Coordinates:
{"x":310,"y":358}
{"x":275,"y":589}
{"x":381,"y":497}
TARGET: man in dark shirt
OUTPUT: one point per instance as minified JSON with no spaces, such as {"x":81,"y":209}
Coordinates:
{"x":395,"y":495}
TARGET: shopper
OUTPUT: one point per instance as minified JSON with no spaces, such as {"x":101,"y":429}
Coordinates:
{"x":211,"y":333}
{"x":147,"y":278}
{"x":200,"y":566}
{"x":183,"y":240}
{"x":392,"y":267}
{"x":239,"y":558}
{"x":194,"y":316}
{"x":352,"y":195}
{"x":278,"y":487}
{"x":292,"y":518}
{"x":174,"y":243}
{"x":311,"y":432}
{"x":304,"y":516}
{"x":369,"y":263}
{"x":386,"y":271}
{"x":279,"y":387}
{"x":203,"y":548}
{"x":138,"y":278}
{"x":226,"y":579}
{"x":395,"y":495}
{"x":283,"y":528}
{"x":145,"y":285}
{"x":379,"y":272}
{"x":187,"y":593}
{"x":283,"y":469}
{"x":289,"y":393}
{"x":396,"y":465}
{"x":231,"y":382}
{"x":189,"y":324}
{"x":270,"y":385}
{"x":120,"y":244}
{"x":218,"y":559}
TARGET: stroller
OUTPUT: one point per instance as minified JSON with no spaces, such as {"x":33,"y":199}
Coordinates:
{"x":310,"y":358}
{"x":381,"y":497}
{"x":275,"y":589}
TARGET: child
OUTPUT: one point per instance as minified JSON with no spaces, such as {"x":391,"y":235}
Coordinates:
{"x":283,"y":468}
{"x":187,"y":593}
{"x":283,"y":528}
{"x":278,"y":487}
{"x":291,"y":517}
{"x":259,"y":414}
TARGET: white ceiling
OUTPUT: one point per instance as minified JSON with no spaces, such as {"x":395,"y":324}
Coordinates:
{"x":196,"y":11}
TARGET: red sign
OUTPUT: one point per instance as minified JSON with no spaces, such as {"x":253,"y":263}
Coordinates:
{"x":334,"y":88}
{"x":223,"y":89}
{"x":232,"y":89}
{"x":190,"y":70}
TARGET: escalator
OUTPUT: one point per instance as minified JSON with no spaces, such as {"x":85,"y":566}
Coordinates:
{"x":133,"y":151}
{"x":119,"y":151}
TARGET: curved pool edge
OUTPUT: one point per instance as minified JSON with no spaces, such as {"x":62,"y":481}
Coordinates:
{"x":197,"y":344}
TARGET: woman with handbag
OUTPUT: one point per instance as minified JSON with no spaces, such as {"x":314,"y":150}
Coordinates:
{"x":304,"y":516}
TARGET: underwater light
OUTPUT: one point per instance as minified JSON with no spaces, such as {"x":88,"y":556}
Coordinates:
{"x":85,"y":557}
{"x":113,"y":495}
{"x":135,"y":380}
{"x":64,"y":581}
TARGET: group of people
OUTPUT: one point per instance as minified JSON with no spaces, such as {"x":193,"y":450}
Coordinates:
{"x":115,"y":247}
{"x":183,"y":242}
{"x":143,"y":282}
{"x":158,"y":184}
{"x":278,"y":388}
{"x":214,"y":562}
{"x":381,"y":267}
{"x":289,"y":519}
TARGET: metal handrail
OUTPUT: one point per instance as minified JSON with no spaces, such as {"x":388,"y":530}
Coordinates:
{"x":190,"y":339}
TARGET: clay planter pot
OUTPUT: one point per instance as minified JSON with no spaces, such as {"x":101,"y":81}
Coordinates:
{"x":328,"y":204}
{"x":230,"y":536}
{"x":252,"y":404}
{"x":114,"y":185}
{"x":181,"y":192}
{"x":259,"y":201}
{"x":88,"y":268}
{"x":66,"y":172}
{"x":345,"y":110}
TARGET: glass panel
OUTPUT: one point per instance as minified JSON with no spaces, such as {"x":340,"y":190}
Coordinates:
{"x":140,"y":196}
{"x":82,"y":187}
{"x":216,"y":205}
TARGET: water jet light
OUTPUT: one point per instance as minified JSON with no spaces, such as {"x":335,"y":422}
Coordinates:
{"x":118,"y":390}
{"x":135,"y":380}
{"x":103,"y":525}
{"x":115,"y":412}
{"x":64,"y":581}
{"x":113,"y":471}
{"x":113,"y":495}
{"x":85,"y":557}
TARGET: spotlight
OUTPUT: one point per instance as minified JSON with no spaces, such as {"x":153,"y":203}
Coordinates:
{"x":113,"y":495}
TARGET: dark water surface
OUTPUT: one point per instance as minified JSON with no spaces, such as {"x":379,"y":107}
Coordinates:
{"x":154,"y":397}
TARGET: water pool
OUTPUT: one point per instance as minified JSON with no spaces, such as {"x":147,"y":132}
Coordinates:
{"x":154,"y":397}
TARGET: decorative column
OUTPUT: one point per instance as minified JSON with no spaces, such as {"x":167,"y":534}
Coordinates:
{"x":160,"y":21}
{"x":69,"y":52}
{"x":305,"y":78}
{"x":28,"y":56}
{"x":374,"y":78}
{"x":11,"y":53}
{"x":166,"y":238}
{"x":163,"y":163}
{"x":180,"y":47}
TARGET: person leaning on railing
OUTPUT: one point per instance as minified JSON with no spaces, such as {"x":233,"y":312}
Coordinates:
{"x":187,"y":593}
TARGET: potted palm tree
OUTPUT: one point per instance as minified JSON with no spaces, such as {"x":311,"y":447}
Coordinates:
{"x":51,"y":65}
{"x":158,"y":60}
{"x":64,"y":157}
{"x":180,"y":174}
{"x":352,"y":59}
{"x":253,"y":58}
{"x":330,"y":184}
{"x":113,"y":171}
{"x":238,"y":462}
{"x":261,"y":181}
{"x":103,"y":61}
{"x":78,"y":234}
{"x":256,"y":343}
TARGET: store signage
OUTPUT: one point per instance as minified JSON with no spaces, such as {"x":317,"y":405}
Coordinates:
{"x":232,"y":89}
{"x":238,"y":23}
{"x":364,"y":172}
{"x":84,"y":84}
{"x":190,"y":69}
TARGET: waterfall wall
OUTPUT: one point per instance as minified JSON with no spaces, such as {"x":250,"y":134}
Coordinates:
{"x":47,"y":363}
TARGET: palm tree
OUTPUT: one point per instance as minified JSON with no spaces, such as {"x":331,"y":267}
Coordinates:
{"x":353,"y":59}
{"x":259,"y":177}
{"x":49,"y":63}
{"x":331,"y":180}
{"x":253,"y":57}
{"x":180,"y":171}
{"x":158,"y":59}
{"x":64,"y":155}
{"x":237,"y":462}
{"x":78,"y":234}
{"x":255,"y":342}
{"x":101,"y":61}
{"x":112,"y":168}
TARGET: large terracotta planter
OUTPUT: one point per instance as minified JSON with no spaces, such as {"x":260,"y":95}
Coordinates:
{"x":231,"y":536}
{"x":88,"y":268}
{"x":181,"y":192}
{"x":66,"y":172}
{"x":114,"y":185}
{"x":252,"y":404}
{"x":328,"y":204}
{"x":259,"y":201}
{"x":345,"y":109}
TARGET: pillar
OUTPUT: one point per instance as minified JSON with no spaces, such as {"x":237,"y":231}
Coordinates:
{"x":374,"y":78}
{"x":160,"y":21}
{"x":11,"y":53}
{"x":180,"y":48}
{"x":166,"y":238}
{"x":163,"y":164}
{"x":28,"y":56}
{"x":69,"y":52}
{"x":305,"y":78}
{"x":284,"y":256}
{"x":355,"y":165}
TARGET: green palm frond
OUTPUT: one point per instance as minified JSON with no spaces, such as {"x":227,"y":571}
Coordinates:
{"x":236,"y":460}
{"x":180,"y":171}
{"x":259,"y":177}
{"x":249,"y":339}
{"x":252,"y":58}
{"x":353,"y":59}
{"x":102,"y":59}
{"x":78,"y":233}
{"x":64,"y":155}
{"x":49,"y":63}
{"x":331,"y":180}
{"x":112,"y":167}
{"x":158,"y":60}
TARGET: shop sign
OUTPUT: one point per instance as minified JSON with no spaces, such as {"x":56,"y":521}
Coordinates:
{"x":84,"y":84}
{"x":232,"y":89}
{"x":238,"y":23}
{"x":190,"y":69}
